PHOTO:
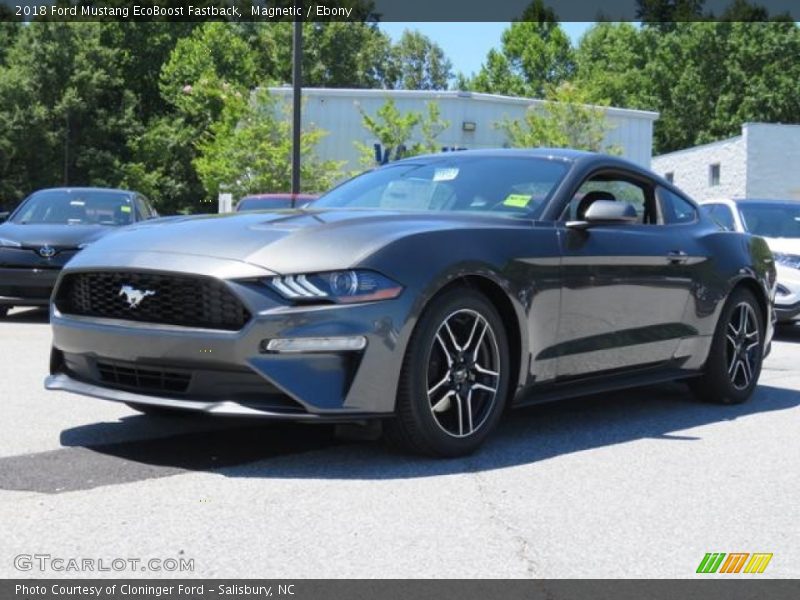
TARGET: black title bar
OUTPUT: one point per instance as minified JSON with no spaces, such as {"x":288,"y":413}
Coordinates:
{"x":396,"y":10}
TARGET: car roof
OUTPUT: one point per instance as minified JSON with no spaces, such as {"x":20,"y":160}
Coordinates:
{"x":566,"y":154}
{"x":85,"y":189}
{"x":276,"y":196}
{"x":587,"y":160}
{"x":732,"y":201}
{"x":766,"y":201}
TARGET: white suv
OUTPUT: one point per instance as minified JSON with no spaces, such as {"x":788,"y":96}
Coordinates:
{"x":778,"y":222}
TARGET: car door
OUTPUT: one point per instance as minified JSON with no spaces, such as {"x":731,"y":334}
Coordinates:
{"x":625,"y":287}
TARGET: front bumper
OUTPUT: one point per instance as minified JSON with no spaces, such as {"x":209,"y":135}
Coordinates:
{"x":27,"y":286}
{"x":220,"y":407}
{"x":787,"y":312}
{"x":232,"y":372}
{"x":787,"y":299}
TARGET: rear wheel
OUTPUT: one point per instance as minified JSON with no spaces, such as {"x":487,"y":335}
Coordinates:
{"x":455,"y":376}
{"x":737,"y":351}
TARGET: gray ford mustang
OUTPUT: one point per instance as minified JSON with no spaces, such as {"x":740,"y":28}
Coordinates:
{"x":426,"y":295}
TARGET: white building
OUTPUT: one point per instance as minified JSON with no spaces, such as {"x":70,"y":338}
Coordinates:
{"x":473,"y":119}
{"x":763,"y":163}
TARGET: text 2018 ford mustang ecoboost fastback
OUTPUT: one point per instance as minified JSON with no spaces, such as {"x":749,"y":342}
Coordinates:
{"x":429,"y":294}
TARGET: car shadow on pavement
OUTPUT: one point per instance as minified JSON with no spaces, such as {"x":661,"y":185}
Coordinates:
{"x":541,"y":432}
{"x":254,"y":449}
{"x":789,"y":332}
{"x":28,"y":315}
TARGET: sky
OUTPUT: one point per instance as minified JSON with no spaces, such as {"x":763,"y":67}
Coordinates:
{"x":466,"y":44}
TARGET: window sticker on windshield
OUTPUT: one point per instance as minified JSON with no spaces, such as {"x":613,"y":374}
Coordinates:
{"x":445,"y":174}
{"x":77,"y":203}
{"x":517,"y":200}
{"x":125,"y":209}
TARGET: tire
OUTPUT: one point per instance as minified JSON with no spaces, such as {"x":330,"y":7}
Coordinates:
{"x":158,"y":411}
{"x":4,"y":311}
{"x":452,"y":388}
{"x":730,"y":378}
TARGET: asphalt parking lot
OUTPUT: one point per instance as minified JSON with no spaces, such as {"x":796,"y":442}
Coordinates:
{"x":634,"y":484}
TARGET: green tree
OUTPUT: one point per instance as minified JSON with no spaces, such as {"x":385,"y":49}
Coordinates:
{"x":742,"y":10}
{"x":161,"y":165}
{"x":431,"y":126}
{"x":249,"y":150}
{"x":335,"y":54}
{"x":707,"y":78}
{"x":206,"y":66}
{"x":9,"y":29}
{"x":395,"y":130}
{"x":536,"y":54}
{"x":419,"y":64}
{"x":564,"y":121}
{"x":610,"y":65}
{"x":143,"y":49}
{"x":663,"y":14}
{"x":66,"y":111}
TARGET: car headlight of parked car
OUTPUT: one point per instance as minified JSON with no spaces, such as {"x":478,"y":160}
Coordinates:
{"x":787,"y":260}
{"x":9,"y":244}
{"x":343,"y":287}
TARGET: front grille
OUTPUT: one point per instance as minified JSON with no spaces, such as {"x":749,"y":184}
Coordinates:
{"x":153,"y":298}
{"x":145,"y":379}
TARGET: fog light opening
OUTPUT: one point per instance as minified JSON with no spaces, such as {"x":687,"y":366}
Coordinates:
{"x":313,"y":344}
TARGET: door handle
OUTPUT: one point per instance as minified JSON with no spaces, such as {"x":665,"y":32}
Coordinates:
{"x":677,"y":257}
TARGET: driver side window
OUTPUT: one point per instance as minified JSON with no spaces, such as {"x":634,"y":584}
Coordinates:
{"x":604,"y":187}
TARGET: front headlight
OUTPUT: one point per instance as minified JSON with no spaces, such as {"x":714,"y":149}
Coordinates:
{"x":336,"y":286}
{"x":787,"y":260}
{"x":9,"y":243}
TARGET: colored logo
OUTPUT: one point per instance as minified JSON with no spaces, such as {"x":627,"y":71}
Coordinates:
{"x":735,"y":562}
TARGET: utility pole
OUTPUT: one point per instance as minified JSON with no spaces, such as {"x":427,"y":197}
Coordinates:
{"x":297,"y":85}
{"x":66,"y":147}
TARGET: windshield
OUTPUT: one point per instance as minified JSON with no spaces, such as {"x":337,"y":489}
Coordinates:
{"x":771,"y":219}
{"x":76,"y":207}
{"x":251,"y":203}
{"x":518,"y":186}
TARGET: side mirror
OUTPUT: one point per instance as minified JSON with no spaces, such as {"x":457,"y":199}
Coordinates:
{"x":606,"y":212}
{"x":4,"y":216}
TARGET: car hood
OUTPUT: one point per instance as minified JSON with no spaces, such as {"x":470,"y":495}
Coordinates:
{"x":784,"y":245}
{"x":56,"y":235}
{"x":284,"y":241}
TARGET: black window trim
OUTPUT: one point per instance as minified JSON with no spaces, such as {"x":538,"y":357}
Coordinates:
{"x":683,"y":197}
{"x":649,"y":187}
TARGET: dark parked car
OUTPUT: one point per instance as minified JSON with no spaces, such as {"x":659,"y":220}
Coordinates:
{"x":48,"y":228}
{"x":273,"y":201}
{"x":427,"y":294}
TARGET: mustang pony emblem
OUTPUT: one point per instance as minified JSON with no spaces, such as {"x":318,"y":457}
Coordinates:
{"x":133,"y":296}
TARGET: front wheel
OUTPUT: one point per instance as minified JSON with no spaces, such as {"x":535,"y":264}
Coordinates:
{"x":455,"y":377}
{"x":737,"y":351}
